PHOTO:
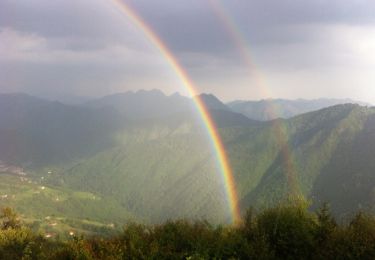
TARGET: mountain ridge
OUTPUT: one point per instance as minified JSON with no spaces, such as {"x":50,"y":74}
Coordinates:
{"x":268,"y":109}
{"x":161,"y":167}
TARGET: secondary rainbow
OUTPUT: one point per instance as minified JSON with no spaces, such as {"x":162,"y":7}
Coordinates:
{"x":205,"y":115}
{"x":243,"y":48}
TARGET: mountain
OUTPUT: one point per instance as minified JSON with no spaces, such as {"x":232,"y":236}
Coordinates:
{"x":143,"y":104}
{"x":154,"y":105}
{"x":212,"y":102}
{"x":317,"y":156}
{"x":348,"y":180}
{"x":14,"y":109}
{"x":72,"y":100}
{"x":171,"y":173}
{"x":222,"y":115}
{"x":269,"y":109}
{"x":36,"y":132}
{"x":160,"y":164}
{"x":225,"y":118}
{"x":271,"y":162}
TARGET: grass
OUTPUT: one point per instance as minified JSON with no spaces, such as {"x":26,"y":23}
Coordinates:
{"x":57,"y":210}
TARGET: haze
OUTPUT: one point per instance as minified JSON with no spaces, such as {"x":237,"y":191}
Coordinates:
{"x":299,"y":49}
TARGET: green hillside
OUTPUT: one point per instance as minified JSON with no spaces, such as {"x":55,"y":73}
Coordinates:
{"x":348,"y":180}
{"x":269,"y":109}
{"x":162,"y":173}
{"x":310,"y":143}
{"x":288,"y":231}
{"x":156,"y":176}
{"x":99,"y":169}
{"x":58,"y":211}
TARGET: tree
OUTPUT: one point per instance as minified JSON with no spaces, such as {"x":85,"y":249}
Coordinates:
{"x":10,"y":219}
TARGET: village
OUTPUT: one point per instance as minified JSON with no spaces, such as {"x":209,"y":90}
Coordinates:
{"x":11,"y":169}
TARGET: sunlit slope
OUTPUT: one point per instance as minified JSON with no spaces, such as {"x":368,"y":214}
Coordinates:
{"x":59,"y":210}
{"x":157,"y":174}
{"x":164,"y":172}
{"x":164,"y":167}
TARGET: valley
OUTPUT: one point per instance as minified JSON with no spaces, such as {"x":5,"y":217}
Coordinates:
{"x":105,"y":170}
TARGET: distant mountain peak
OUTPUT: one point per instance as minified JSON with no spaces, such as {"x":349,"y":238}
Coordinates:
{"x":19,"y":95}
{"x":269,"y":109}
{"x":154,"y":92}
{"x":212,"y":102}
{"x":143,"y":104}
{"x":175,"y":94}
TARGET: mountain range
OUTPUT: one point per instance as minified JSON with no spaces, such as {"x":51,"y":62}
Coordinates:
{"x":269,"y":109}
{"x":146,"y":156}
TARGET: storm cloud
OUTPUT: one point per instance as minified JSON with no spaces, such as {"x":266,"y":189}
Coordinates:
{"x":298,"y":48}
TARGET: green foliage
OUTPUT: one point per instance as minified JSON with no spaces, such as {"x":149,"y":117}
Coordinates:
{"x":284,"y":232}
{"x":361,"y":236}
{"x":290,"y":231}
{"x":327,"y":225}
{"x":16,"y":240}
{"x":9,"y":218}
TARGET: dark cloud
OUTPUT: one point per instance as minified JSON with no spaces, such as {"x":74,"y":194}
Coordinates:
{"x":185,"y":26}
{"x":271,"y":12}
{"x":67,"y":45}
{"x":54,"y":18}
{"x":83,"y":24}
{"x":196,"y":26}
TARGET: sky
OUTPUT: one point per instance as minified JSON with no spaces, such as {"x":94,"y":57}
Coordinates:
{"x":235,"y":49}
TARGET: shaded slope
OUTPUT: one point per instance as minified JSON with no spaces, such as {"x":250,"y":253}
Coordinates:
{"x":313,"y":141}
{"x":165,"y":172}
{"x":143,"y":104}
{"x":35,"y":132}
{"x":164,"y":167}
{"x":348,"y":181}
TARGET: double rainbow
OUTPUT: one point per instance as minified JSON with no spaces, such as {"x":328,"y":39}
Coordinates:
{"x":278,"y":128}
{"x":205,"y":115}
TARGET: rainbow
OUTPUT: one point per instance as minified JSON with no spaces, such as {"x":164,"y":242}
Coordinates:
{"x":221,"y":156}
{"x":243,"y":48}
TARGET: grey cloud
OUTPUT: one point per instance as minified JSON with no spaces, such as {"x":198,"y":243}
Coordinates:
{"x":186,"y":26}
{"x":193,"y":25}
{"x":268,"y":12}
{"x":84,"y":24}
{"x":83,"y":79}
{"x":290,"y":41}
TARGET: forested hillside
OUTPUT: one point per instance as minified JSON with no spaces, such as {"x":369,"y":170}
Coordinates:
{"x":92,"y":168}
{"x":284,"y":232}
{"x":269,"y":109}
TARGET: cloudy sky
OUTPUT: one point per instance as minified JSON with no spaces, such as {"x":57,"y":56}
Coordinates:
{"x":235,"y":49}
